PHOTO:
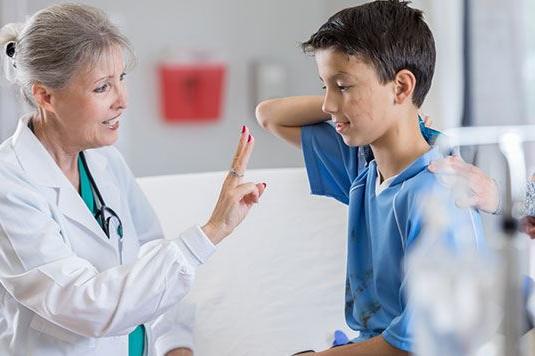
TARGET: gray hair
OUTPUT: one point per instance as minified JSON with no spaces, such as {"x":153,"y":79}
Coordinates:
{"x":55,"y":43}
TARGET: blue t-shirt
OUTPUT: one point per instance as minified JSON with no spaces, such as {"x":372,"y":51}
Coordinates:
{"x":382,"y":228}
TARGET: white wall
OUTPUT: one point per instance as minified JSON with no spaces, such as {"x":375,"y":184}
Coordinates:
{"x":243,"y":31}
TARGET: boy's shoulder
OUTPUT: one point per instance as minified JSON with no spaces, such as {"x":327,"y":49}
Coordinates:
{"x":421,"y":182}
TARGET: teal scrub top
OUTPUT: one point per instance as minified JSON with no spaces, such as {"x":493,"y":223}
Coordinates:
{"x":136,"y":339}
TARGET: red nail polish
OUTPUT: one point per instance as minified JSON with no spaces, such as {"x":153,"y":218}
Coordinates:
{"x":242,"y":128}
{"x":250,"y":138}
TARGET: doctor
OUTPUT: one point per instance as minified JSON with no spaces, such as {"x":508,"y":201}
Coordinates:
{"x":84,"y":266}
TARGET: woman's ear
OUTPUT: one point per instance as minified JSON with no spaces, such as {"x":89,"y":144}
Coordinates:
{"x":42,"y":96}
{"x":404,"y":84}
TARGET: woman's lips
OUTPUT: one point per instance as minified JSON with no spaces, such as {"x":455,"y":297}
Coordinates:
{"x":112,"y":123}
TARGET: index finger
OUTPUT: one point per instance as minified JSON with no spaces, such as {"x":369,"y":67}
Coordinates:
{"x":242,"y":160}
{"x":241,"y":146}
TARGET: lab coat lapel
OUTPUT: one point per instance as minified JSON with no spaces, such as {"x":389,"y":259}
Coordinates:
{"x":73,"y":207}
{"x":43,"y":170}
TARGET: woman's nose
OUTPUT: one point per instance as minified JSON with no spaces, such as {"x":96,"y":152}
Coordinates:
{"x":121,"y":101}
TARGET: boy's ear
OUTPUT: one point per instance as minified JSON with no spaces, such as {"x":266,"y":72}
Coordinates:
{"x":404,"y":84}
{"x":42,"y":96}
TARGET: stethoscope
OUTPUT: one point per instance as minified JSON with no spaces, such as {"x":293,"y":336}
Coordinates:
{"x":104,"y":214}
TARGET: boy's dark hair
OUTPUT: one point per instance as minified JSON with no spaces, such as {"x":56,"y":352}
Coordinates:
{"x":388,"y":34}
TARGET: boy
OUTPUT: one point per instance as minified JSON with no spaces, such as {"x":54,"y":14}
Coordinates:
{"x":376,"y":62}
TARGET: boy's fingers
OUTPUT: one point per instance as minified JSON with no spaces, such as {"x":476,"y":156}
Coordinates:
{"x":428,"y":121}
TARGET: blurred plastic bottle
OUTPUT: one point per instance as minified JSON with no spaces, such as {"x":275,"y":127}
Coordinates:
{"x":454,"y":289}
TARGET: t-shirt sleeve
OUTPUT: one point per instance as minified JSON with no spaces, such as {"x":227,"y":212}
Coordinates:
{"x":331,"y":165}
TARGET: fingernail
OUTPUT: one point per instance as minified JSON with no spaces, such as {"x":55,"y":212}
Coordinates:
{"x":250,"y":138}
{"x":242,"y":128}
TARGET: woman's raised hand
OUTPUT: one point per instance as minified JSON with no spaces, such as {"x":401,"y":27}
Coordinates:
{"x":236,"y":198}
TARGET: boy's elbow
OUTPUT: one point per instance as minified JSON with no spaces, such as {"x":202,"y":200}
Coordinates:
{"x":263,"y":114}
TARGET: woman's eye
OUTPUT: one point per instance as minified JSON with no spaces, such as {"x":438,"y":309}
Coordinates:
{"x":343,"y":87}
{"x":121,"y":78}
{"x":323,"y":87}
{"x":102,"y":88}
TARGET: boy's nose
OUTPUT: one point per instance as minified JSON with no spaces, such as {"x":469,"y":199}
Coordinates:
{"x":329,"y":105}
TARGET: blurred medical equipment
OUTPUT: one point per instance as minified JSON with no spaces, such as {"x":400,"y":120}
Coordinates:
{"x":453,"y":289}
{"x":192,"y":86}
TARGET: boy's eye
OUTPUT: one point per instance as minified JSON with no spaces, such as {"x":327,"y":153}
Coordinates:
{"x":324,"y":87}
{"x":121,"y":78}
{"x":343,"y":87}
{"x":102,"y":88}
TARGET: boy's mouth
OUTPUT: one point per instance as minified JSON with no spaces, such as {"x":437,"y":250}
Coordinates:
{"x":341,"y":126}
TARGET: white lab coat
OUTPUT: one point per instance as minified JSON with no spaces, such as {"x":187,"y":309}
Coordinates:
{"x":63,"y":290}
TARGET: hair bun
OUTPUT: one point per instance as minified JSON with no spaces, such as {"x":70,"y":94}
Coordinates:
{"x":10,"y":49}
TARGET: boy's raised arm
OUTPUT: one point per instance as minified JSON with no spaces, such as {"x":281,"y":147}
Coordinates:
{"x":284,"y":117}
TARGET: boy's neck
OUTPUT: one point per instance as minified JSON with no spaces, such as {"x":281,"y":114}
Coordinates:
{"x":399,"y":146}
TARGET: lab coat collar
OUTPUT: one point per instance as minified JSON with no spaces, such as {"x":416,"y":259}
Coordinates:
{"x":43,"y":170}
{"x":34,"y":158}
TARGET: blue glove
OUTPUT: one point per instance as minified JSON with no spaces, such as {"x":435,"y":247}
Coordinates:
{"x":340,"y":338}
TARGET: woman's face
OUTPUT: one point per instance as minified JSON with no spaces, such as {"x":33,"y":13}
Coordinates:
{"x":88,"y":109}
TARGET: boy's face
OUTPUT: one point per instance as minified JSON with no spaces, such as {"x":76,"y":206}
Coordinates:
{"x":360,"y":106}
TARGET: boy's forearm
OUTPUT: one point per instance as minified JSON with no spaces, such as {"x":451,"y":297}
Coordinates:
{"x":284,"y":117}
{"x":294,"y":111}
{"x":376,"y":346}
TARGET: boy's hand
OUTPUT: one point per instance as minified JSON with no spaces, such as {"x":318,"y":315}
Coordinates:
{"x":428,"y":121}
